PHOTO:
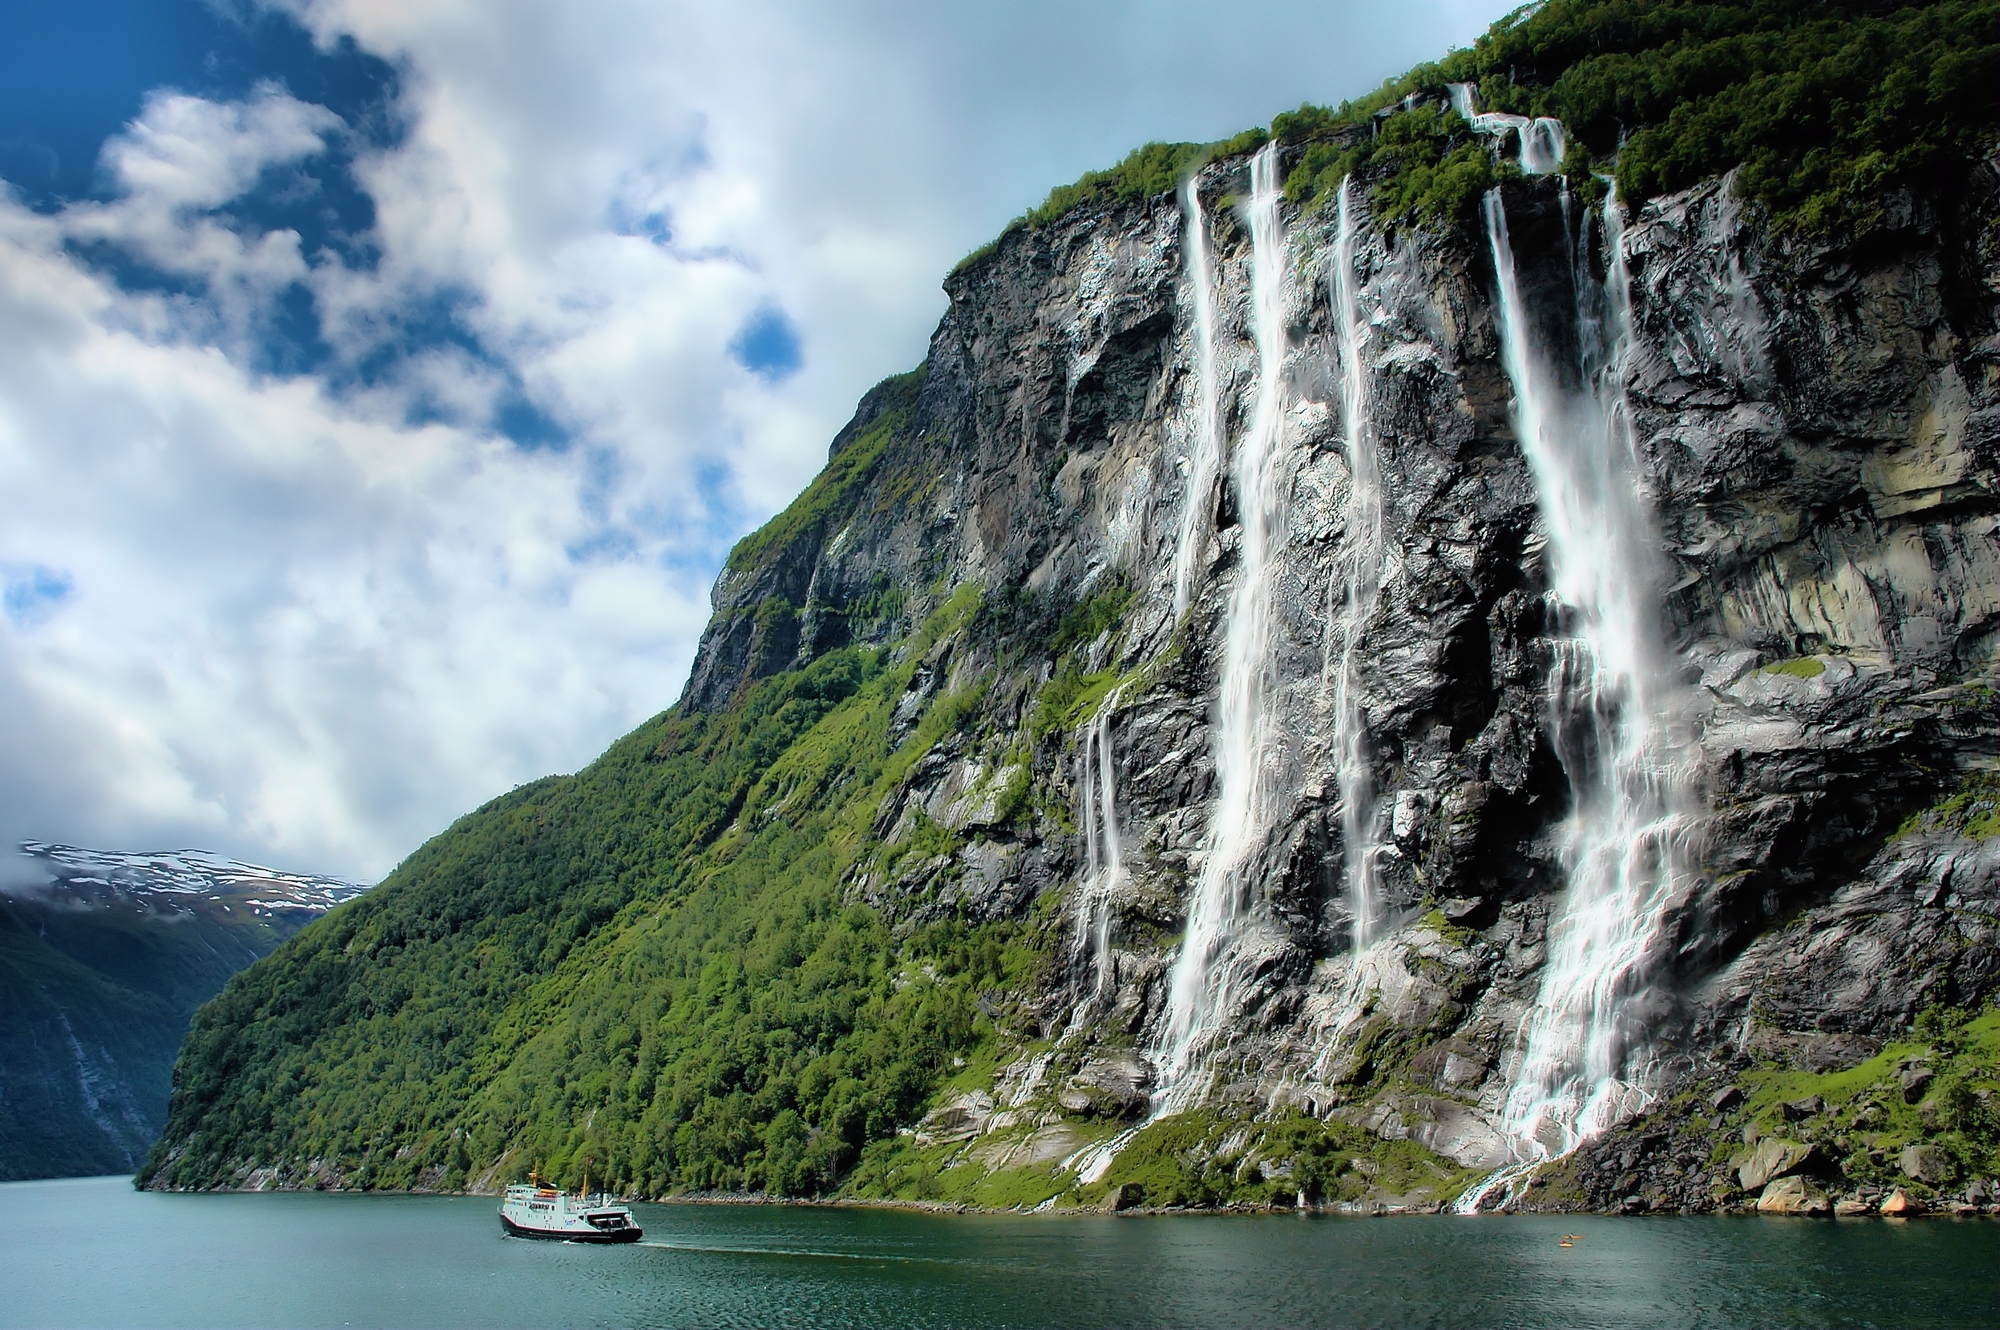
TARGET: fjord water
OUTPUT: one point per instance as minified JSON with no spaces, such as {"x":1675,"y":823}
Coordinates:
{"x":92,"y":1252}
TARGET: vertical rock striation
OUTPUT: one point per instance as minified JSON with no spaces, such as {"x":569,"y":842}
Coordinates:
{"x":1375,"y":675}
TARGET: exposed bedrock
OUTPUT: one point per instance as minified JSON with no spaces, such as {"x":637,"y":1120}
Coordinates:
{"x":1815,"y":431}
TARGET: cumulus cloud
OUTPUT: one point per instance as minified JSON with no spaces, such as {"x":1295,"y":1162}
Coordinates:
{"x":254,"y":617}
{"x":184,"y":152}
{"x":171,"y":168}
{"x":629,"y":265}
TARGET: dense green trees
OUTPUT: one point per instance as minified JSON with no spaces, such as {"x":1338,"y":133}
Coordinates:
{"x":1824,"y":104}
{"x":1824,"y":108}
{"x":647,"y":969}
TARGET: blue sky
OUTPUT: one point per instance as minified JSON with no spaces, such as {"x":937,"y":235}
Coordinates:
{"x":382,"y":381}
{"x":72,"y":74}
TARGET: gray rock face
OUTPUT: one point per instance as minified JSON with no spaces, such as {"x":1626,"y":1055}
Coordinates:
{"x":1773,"y":1158}
{"x":1793,"y":1196}
{"x":1919,"y":925}
{"x":1923,"y":1163}
{"x":1816,"y":431}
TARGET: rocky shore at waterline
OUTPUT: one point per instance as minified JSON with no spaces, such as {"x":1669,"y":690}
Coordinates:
{"x":1795,"y":1192}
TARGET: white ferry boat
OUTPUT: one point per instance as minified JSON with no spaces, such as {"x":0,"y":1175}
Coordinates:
{"x":537,"y":1210}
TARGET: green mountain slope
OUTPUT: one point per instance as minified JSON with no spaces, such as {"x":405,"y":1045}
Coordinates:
{"x":1827,"y":107}
{"x":57,"y":1117}
{"x":648,"y":964}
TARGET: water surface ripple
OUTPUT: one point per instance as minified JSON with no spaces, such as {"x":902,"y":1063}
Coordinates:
{"x":93,"y":1252}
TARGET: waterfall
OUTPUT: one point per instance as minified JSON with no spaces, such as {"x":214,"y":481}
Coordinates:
{"x":1361,"y":575}
{"x":1739,"y":319}
{"x":1198,"y":991}
{"x":1616,"y":716}
{"x":1544,"y":143}
{"x":1104,"y":857}
{"x":1199,"y":500}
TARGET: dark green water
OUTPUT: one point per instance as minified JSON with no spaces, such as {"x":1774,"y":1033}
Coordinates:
{"x":93,"y":1252}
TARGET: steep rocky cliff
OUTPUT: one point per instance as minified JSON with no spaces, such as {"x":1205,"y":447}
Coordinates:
{"x":1816,"y":435}
{"x":1283,"y":705}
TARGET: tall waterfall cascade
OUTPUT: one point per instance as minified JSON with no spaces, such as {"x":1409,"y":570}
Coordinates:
{"x":1616,"y":715}
{"x":1206,"y":456}
{"x":1356,"y":587}
{"x":1199,"y":988}
{"x":1104,"y":856}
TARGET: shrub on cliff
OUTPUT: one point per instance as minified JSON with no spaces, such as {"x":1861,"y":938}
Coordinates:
{"x":1823,"y":107}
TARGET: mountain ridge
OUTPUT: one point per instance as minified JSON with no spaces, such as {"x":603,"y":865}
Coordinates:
{"x":103,"y":963}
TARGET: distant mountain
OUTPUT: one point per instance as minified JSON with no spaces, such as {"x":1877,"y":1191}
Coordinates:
{"x":101,"y":966}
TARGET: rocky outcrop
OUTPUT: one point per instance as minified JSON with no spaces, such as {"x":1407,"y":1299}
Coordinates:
{"x":1918,"y":926}
{"x":1898,"y":1204}
{"x":1793,"y":1196}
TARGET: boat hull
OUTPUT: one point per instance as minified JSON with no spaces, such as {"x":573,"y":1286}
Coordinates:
{"x":571,"y":1235}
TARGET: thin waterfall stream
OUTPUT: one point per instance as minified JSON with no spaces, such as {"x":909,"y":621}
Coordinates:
{"x":1104,"y":856}
{"x":1198,"y":504}
{"x":1351,"y":600}
{"x":1358,"y":585}
{"x":1543,"y":141}
{"x":1199,"y":986}
{"x":1615,"y":714}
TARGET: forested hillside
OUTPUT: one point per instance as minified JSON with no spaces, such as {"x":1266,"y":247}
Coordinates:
{"x":1824,"y":110}
{"x":652,"y":964}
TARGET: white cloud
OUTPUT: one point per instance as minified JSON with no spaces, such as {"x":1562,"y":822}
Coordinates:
{"x":290,"y":629}
{"x":184,"y":157}
{"x":184,"y":152}
{"x":272,"y":616}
